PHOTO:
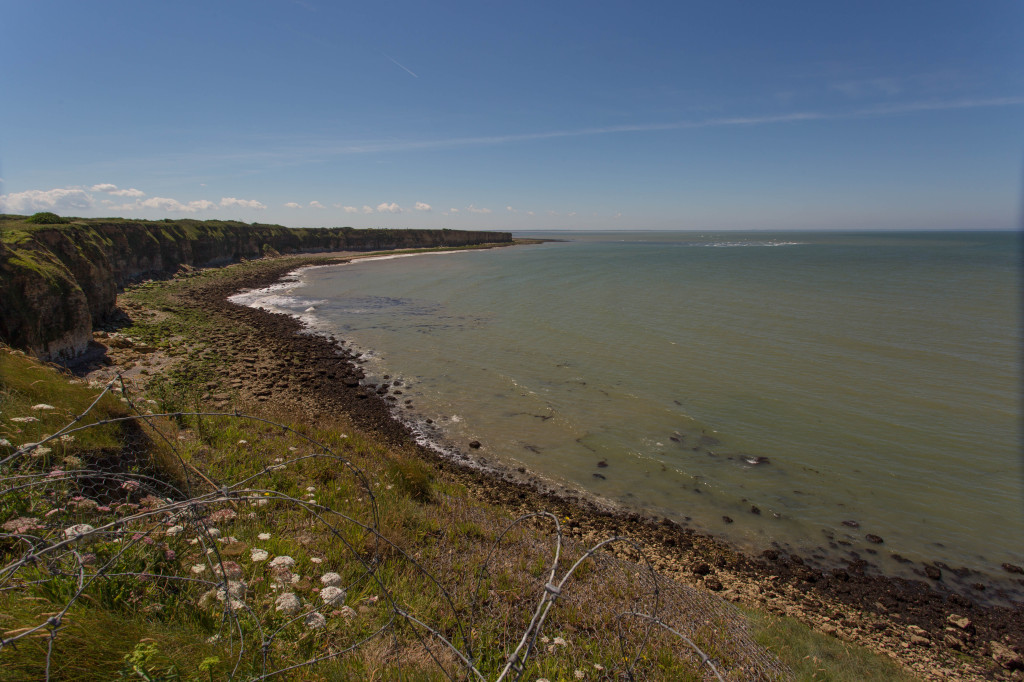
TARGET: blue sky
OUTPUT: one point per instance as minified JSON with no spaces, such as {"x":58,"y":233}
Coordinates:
{"x":517,"y":115}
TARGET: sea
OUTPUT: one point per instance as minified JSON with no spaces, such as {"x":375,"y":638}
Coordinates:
{"x":837,"y":395}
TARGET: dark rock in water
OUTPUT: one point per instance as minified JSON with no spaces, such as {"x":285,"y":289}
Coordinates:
{"x":727,"y":519}
{"x":871,"y":537}
{"x":932,"y":572}
{"x":901,"y":559}
{"x":430,"y":421}
{"x":770,"y":554}
{"x":1012,"y":568}
{"x":980,"y":587}
{"x":702,"y":569}
{"x":851,"y":524}
{"x":603,"y":463}
{"x":709,"y":440}
{"x":757,"y":460}
{"x":754,"y":509}
{"x":713,"y":584}
{"x":474,"y":444}
{"x":601,"y":476}
{"x":677,"y":439}
{"x":796,"y":559}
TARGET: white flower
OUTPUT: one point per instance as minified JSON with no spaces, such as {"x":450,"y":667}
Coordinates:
{"x":4,"y":443}
{"x":235,"y":590}
{"x":311,"y":489}
{"x":331,"y":579}
{"x":315,"y":620}
{"x":67,"y":438}
{"x":333,"y":595}
{"x":316,"y":559}
{"x":40,"y":451}
{"x":348,"y":612}
{"x":243,"y":442}
{"x":263,"y":536}
{"x":199,"y":568}
{"x":77,"y":530}
{"x":598,"y":667}
{"x":43,"y":406}
{"x":288,"y":603}
{"x":560,"y":642}
{"x":258,"y":554}
{"x":579,"y":674}
{"x":174,"y":530}
{"x":283,"y":561}
{"x":213,"y":532}
{"x":24,"y":420}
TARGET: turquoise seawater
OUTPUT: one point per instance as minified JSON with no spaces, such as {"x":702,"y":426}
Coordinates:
{"x":877,"y":376}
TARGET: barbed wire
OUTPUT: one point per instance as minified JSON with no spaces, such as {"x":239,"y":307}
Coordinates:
{"x":151,"y":539}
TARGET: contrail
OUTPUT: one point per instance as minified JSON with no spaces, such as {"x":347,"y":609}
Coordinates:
{"x":399,"y":65}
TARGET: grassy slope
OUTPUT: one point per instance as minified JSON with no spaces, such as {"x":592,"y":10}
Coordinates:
{"x":427,"y":518}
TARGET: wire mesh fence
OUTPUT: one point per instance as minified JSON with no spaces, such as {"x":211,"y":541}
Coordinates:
{"x":287,"y":579}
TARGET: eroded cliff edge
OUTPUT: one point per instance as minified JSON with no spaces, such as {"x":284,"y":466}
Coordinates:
{"x":59,"y":280}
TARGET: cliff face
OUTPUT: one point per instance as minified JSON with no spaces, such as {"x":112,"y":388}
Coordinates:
{"x":56,"y":282}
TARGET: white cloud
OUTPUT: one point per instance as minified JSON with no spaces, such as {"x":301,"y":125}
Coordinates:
{"x":169,"y":205}
{"x":350,"y":209}
{"x":292,"y":204}
{"x":56,"y":200}
{"x":511,"y":210}
{"x":315,"y":204}
{"x":133,"y":193}
{"x":114,"y":191}
{"x":530,"y":213}
{"x":420,"y":206}
{"x":453,"y":210}
{"x":473,"y":209}
{"x":389,"y":208}
{"x":367,"y":209}
{"x":232,"y":202}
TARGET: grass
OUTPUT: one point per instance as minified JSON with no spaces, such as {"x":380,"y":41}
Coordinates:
{"x":814,"y":656}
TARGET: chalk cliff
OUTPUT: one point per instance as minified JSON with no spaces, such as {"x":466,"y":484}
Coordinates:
{"x":58,"y":281}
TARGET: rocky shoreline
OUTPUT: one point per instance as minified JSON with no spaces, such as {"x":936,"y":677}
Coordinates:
{"x":937,"y":635}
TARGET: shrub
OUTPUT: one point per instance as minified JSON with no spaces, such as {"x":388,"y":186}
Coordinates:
{"x":47,"y":218}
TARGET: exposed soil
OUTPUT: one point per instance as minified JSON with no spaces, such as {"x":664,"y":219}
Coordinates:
{"x":267,"y":357}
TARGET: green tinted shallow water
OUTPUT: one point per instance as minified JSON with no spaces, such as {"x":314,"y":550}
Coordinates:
{"x":879,"y":374}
